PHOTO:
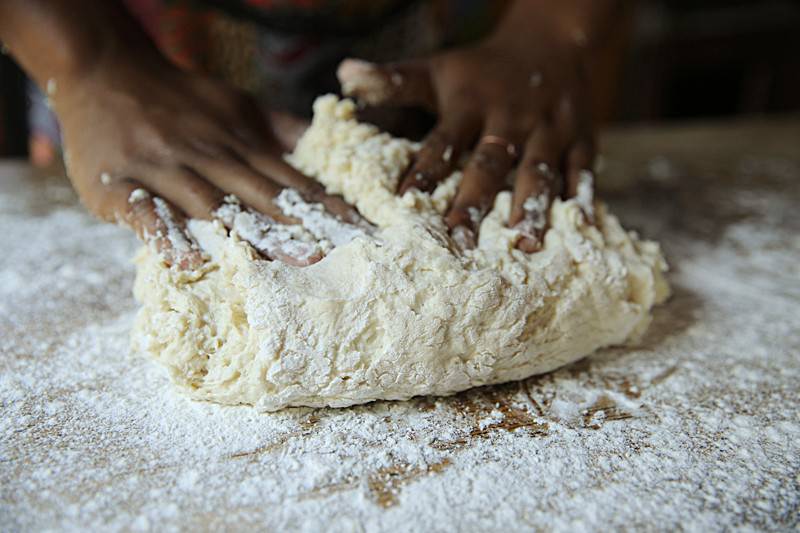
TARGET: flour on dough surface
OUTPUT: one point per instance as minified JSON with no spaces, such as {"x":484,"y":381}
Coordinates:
{"x":399,"y":313}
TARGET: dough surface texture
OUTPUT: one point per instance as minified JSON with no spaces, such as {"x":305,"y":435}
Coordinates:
{"x":397,"y":314}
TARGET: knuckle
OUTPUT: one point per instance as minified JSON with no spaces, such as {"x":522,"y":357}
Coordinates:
{"x":487,"y":160}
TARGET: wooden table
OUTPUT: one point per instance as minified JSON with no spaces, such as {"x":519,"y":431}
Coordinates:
{"x":697,"y":426}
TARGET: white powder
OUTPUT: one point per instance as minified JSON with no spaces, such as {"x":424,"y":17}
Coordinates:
{"x":463,"y":237}
{"x":176,"y":235}
{"x":544,"y":169}
{"x":475,"y":216}
{"x":447,"y":154}
{"x":137,"y":195}
{"x":534,"y":215}
{"x":316,"y":219}
{"x":585,"y":192}
{"x":267,"y":236}
{"x":495,"y":417}
{"x":703,"y":431}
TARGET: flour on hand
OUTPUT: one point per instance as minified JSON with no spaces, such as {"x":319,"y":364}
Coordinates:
{"x":397,"y":312}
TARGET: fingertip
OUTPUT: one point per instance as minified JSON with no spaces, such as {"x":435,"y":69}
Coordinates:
{"x":290,"y":260}
{"x":580,"y":159}
{"x":406,"y":185}
{"x":529,"y":245}
{"x":158,"y":223}
{"x":418,"y":180}
{"x":517,"y":213}
{"x":464,"y":237}
{"x":190,"y":261}
{"x":350,"y":68}
{"x":364,"y":81}
{"x":458,"y":216}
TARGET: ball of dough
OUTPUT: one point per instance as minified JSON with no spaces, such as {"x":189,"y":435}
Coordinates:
{"x":398,"y":313}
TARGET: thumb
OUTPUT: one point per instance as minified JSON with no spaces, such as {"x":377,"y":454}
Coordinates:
{"x":402,"y":84}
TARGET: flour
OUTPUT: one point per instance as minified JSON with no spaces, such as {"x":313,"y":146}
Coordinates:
{"x":273,"y":240}
{"x":534,"y":217}
{"x":176,"y":235}
{"x":137,"y":195}
{"x":315,"y":219}
{"x":703,"y":433}
{"x":401,"y":312}
{"x":447,"y":154}
{"x":585,"y":193}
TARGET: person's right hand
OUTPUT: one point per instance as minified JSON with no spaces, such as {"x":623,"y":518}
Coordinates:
{"x":188,"y":141}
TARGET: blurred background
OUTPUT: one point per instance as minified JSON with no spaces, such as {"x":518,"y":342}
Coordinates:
{"x":667,"y":60}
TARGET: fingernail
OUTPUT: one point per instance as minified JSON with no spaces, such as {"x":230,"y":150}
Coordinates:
{"x":529,"y":244}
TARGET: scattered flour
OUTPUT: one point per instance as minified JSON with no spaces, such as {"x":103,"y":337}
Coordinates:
{"x":700,"y":427}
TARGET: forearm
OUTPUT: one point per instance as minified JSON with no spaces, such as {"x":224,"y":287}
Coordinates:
{"x":56,"y":39}
{"x":586,"y":22}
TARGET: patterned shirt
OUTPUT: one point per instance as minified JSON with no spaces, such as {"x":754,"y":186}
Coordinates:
{"x":287,"y":50}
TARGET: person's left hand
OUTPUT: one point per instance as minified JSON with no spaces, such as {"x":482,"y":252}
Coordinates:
{"x":518,"y":101}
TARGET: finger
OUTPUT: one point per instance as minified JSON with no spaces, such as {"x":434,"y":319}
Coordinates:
{"x":484,"y":177}
{"x":580,"y":176}
{"x":252,"y":124}
{"x":535,"y":187}
{"x":287,"y":128}
{"x":235,"y":176}
{"x":153,"y":219}
{"x":186,"y":189}
{"x":318,"y":221}
{"x":439,"y":153}
{"x":286,"y":243}
{"x":262,"y":194}
{"x":284,"y":174}
{"x":569,"y":118}
{"x":397,"y":84}
{"x":574,"y":125}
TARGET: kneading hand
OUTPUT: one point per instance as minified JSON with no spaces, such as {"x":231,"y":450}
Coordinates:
{"x":187,"y":140}
{"x":517,"y":101}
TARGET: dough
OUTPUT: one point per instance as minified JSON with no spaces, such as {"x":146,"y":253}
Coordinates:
{"x":399,"y":313}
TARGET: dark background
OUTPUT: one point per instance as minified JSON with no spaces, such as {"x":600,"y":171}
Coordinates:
{"x":682,"y":59}
{"x":701,"y":58}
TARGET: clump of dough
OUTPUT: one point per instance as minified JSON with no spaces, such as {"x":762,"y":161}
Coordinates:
{"x":398,"y":313}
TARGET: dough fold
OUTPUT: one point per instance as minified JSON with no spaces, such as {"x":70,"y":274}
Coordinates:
{"x":397,"y":314}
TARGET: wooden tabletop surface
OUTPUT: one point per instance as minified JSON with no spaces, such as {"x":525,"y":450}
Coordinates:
{"x":697,"y":426}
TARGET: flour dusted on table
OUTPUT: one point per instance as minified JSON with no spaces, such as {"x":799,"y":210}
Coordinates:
{"x":396,"y":313}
